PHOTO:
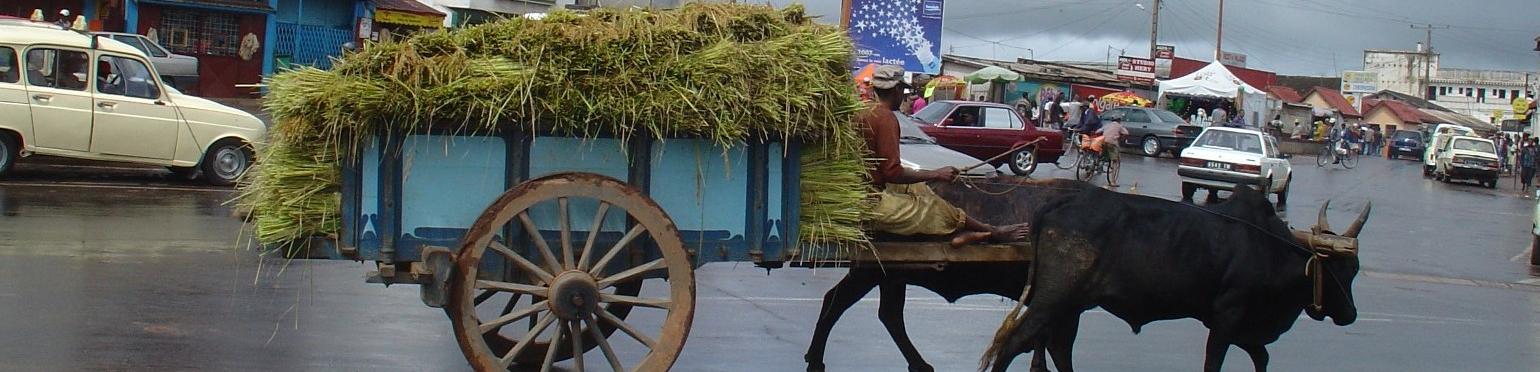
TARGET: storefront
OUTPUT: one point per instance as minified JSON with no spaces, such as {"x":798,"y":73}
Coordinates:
{"x":400,"y":18}
{"x":101,"y":15}
{"x":226,"y":37}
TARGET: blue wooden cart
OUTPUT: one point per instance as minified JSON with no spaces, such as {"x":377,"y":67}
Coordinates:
{"x":537,"y":245}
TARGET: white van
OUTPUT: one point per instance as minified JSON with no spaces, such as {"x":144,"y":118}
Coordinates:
{"x":71,"y":94}
{"x":1437,"y":140}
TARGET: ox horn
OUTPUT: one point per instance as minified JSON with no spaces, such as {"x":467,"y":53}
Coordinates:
{"x":1320,"y":220}
{"x":1358,"y":224}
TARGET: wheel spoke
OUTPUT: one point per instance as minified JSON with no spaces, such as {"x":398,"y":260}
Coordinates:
{"x":632,"y":273}
{"x":619,"y":246}
{"x":534,"y":234}
{"x":532,"y":290}
{"x":574,"y":330}
{"x":483,"y":297}
{"x":656,"y":303}
{"x":593,"y":232}
{"x":550,"y":350}
{"x":566,"y":236}
{"x":618,"y":323}
{"x":534,"y":308}
{"x":523,"y":263}
{"x":529,"y":338}
{"x":604,"y":344}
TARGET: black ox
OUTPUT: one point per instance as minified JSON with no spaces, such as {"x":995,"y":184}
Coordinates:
{"x":1236,"y":267}
{"x":998,"y":201}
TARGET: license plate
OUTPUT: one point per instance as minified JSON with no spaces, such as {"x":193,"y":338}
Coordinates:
{"x":1404,"y":148}
{"x":1476,"y":164}
{"x":1218,"y":165}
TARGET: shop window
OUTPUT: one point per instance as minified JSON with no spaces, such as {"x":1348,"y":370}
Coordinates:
{"x":9,"y":70}
{"x":200,"y":33}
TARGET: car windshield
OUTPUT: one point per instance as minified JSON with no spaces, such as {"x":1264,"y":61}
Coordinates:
{"x":934,"y":113}
{"x":1406,"y":134}
{"x":1169,"y":117}
{"x":1474,"y":145}
{"x":1237,"y":141}
{"x":909,"y":131}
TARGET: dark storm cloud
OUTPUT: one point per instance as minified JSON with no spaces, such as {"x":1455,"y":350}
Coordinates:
{"x":1286,"y":36}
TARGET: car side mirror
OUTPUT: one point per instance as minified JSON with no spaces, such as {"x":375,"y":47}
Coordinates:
{"x":1285,"y":156}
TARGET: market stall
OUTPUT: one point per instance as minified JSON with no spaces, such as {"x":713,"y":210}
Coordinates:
{"x":1213,"y":87}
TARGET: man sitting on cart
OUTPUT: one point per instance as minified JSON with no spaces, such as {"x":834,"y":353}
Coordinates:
{"x":905,"y":205}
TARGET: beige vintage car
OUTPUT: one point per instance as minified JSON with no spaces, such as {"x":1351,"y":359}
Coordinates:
{"x":66,"y":93}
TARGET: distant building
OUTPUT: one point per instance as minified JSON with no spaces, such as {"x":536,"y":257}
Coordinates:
{"x":1402,"y":70}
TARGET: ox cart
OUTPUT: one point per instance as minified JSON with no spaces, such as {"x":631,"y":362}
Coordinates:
{"x":537,"y":246}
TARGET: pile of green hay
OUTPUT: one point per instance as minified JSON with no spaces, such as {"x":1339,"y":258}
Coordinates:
{"x":725,"y":72}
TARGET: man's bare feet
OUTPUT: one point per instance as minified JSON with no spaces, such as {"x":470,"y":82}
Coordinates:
{"x":1010,"y":233}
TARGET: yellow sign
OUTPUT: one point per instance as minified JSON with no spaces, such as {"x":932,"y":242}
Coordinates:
{"x":1520,"y":106}
{"x":408,"y":19}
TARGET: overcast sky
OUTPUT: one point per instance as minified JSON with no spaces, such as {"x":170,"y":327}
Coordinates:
{"x":1296,"y":37}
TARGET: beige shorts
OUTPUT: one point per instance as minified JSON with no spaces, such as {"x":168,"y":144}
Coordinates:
{"x":914,"y":210}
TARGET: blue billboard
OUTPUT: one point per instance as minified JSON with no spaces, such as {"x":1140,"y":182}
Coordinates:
{"x":897,"y":32}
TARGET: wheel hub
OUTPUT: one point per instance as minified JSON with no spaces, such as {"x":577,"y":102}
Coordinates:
{"x":574,"y":295}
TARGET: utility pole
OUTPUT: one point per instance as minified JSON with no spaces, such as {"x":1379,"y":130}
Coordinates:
{"x":1219,"y":42}
{"x":1427,"y":59}
{"x":1154,"y":27}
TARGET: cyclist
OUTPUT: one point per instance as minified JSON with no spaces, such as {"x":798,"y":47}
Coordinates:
{"x":1112,"y":135}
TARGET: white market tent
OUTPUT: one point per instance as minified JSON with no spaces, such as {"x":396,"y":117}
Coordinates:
{"x":1216,"y":81}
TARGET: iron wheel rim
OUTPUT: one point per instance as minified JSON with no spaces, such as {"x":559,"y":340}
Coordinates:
{"x":229,"y":162}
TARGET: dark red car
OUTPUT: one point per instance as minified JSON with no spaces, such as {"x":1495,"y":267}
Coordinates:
{"x":986,"y":130}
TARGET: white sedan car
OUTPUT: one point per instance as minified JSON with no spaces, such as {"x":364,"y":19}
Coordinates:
{"x":1221,"y":158}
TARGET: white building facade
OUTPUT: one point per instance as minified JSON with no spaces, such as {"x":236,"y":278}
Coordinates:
{"x":1402,"y":70}
{"x":1484,"y":94}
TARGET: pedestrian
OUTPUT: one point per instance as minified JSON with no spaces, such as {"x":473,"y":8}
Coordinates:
{"x":1024,"y":105}
{"x":1528,"y":157}
{"x":1055,"y":111}
{"x":1220,"y":116}
{"x":1202,"y":117}
{"x":1072,"y":112}
{"x":64,"y":19}
{"x":907,"y":106}
{"x":919,"y":103}
{"x":1299,"y":130}
{"x":1112,"y":136}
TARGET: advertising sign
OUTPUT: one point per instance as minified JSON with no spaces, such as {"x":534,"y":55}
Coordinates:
{"x":1136,"y":70}
{"x":1232,"y":59}
{"x":897,"y":32}
{"x":1165,"y":51}
{"x":1360,"y":82}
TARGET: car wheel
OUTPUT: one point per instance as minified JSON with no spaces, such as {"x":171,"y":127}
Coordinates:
{"x":1024,"y":162}
{"x":1283,"y":195}
{"x":8,"y":152}
{"x":1150,"y":146}
{"x":1187,"y":190}
{"x":1427,"y":171}
{"x":1492,"y":183}
{"x":1534,"y":244}
{"x":225,"y":162}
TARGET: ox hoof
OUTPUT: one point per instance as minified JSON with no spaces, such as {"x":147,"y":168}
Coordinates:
{"x":815,"y":367}
{"x":922,"y":368}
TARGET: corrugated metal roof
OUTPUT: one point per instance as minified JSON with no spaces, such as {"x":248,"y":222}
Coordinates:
{"x":1041,"y":70}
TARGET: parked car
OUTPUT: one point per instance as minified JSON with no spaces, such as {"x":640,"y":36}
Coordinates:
{"x":175,"y":70}
{"x":1223,"y":157}
{"x":70,"y":94}
{"x":1438,"y":139}
{"x":1406,"y":143}
{"x":988,"y":131}
{"x":917,"y":150}
{"x":1153,"y":131}
{"x":1534,"y":233}
{"x":1467,"y":158}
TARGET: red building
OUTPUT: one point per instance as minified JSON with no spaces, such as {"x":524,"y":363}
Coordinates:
{"x":1257,"y":78}
{"x":227,"y":37}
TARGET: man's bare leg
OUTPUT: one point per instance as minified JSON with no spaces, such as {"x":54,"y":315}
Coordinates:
{"x":974,"y":231}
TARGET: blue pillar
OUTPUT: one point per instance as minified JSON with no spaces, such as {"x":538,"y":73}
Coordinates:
{"x":270,"y":41}
{"x":88,"y":10}
{"x":131,"y":16}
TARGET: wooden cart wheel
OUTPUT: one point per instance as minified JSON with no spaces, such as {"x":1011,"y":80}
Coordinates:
{"x":569,"y":304}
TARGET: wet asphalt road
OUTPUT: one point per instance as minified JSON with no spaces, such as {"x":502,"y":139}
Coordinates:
{"x":105,"y":267}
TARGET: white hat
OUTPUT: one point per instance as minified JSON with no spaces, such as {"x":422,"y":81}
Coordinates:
{"x":64,"y":12}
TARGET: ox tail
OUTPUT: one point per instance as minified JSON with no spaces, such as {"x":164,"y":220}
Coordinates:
{"x":1013,"y":319}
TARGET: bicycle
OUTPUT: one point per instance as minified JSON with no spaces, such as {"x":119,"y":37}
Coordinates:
{"x":1071,"y":150}
{"x":1091,"y":161}
{"x":1334,"y":150}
